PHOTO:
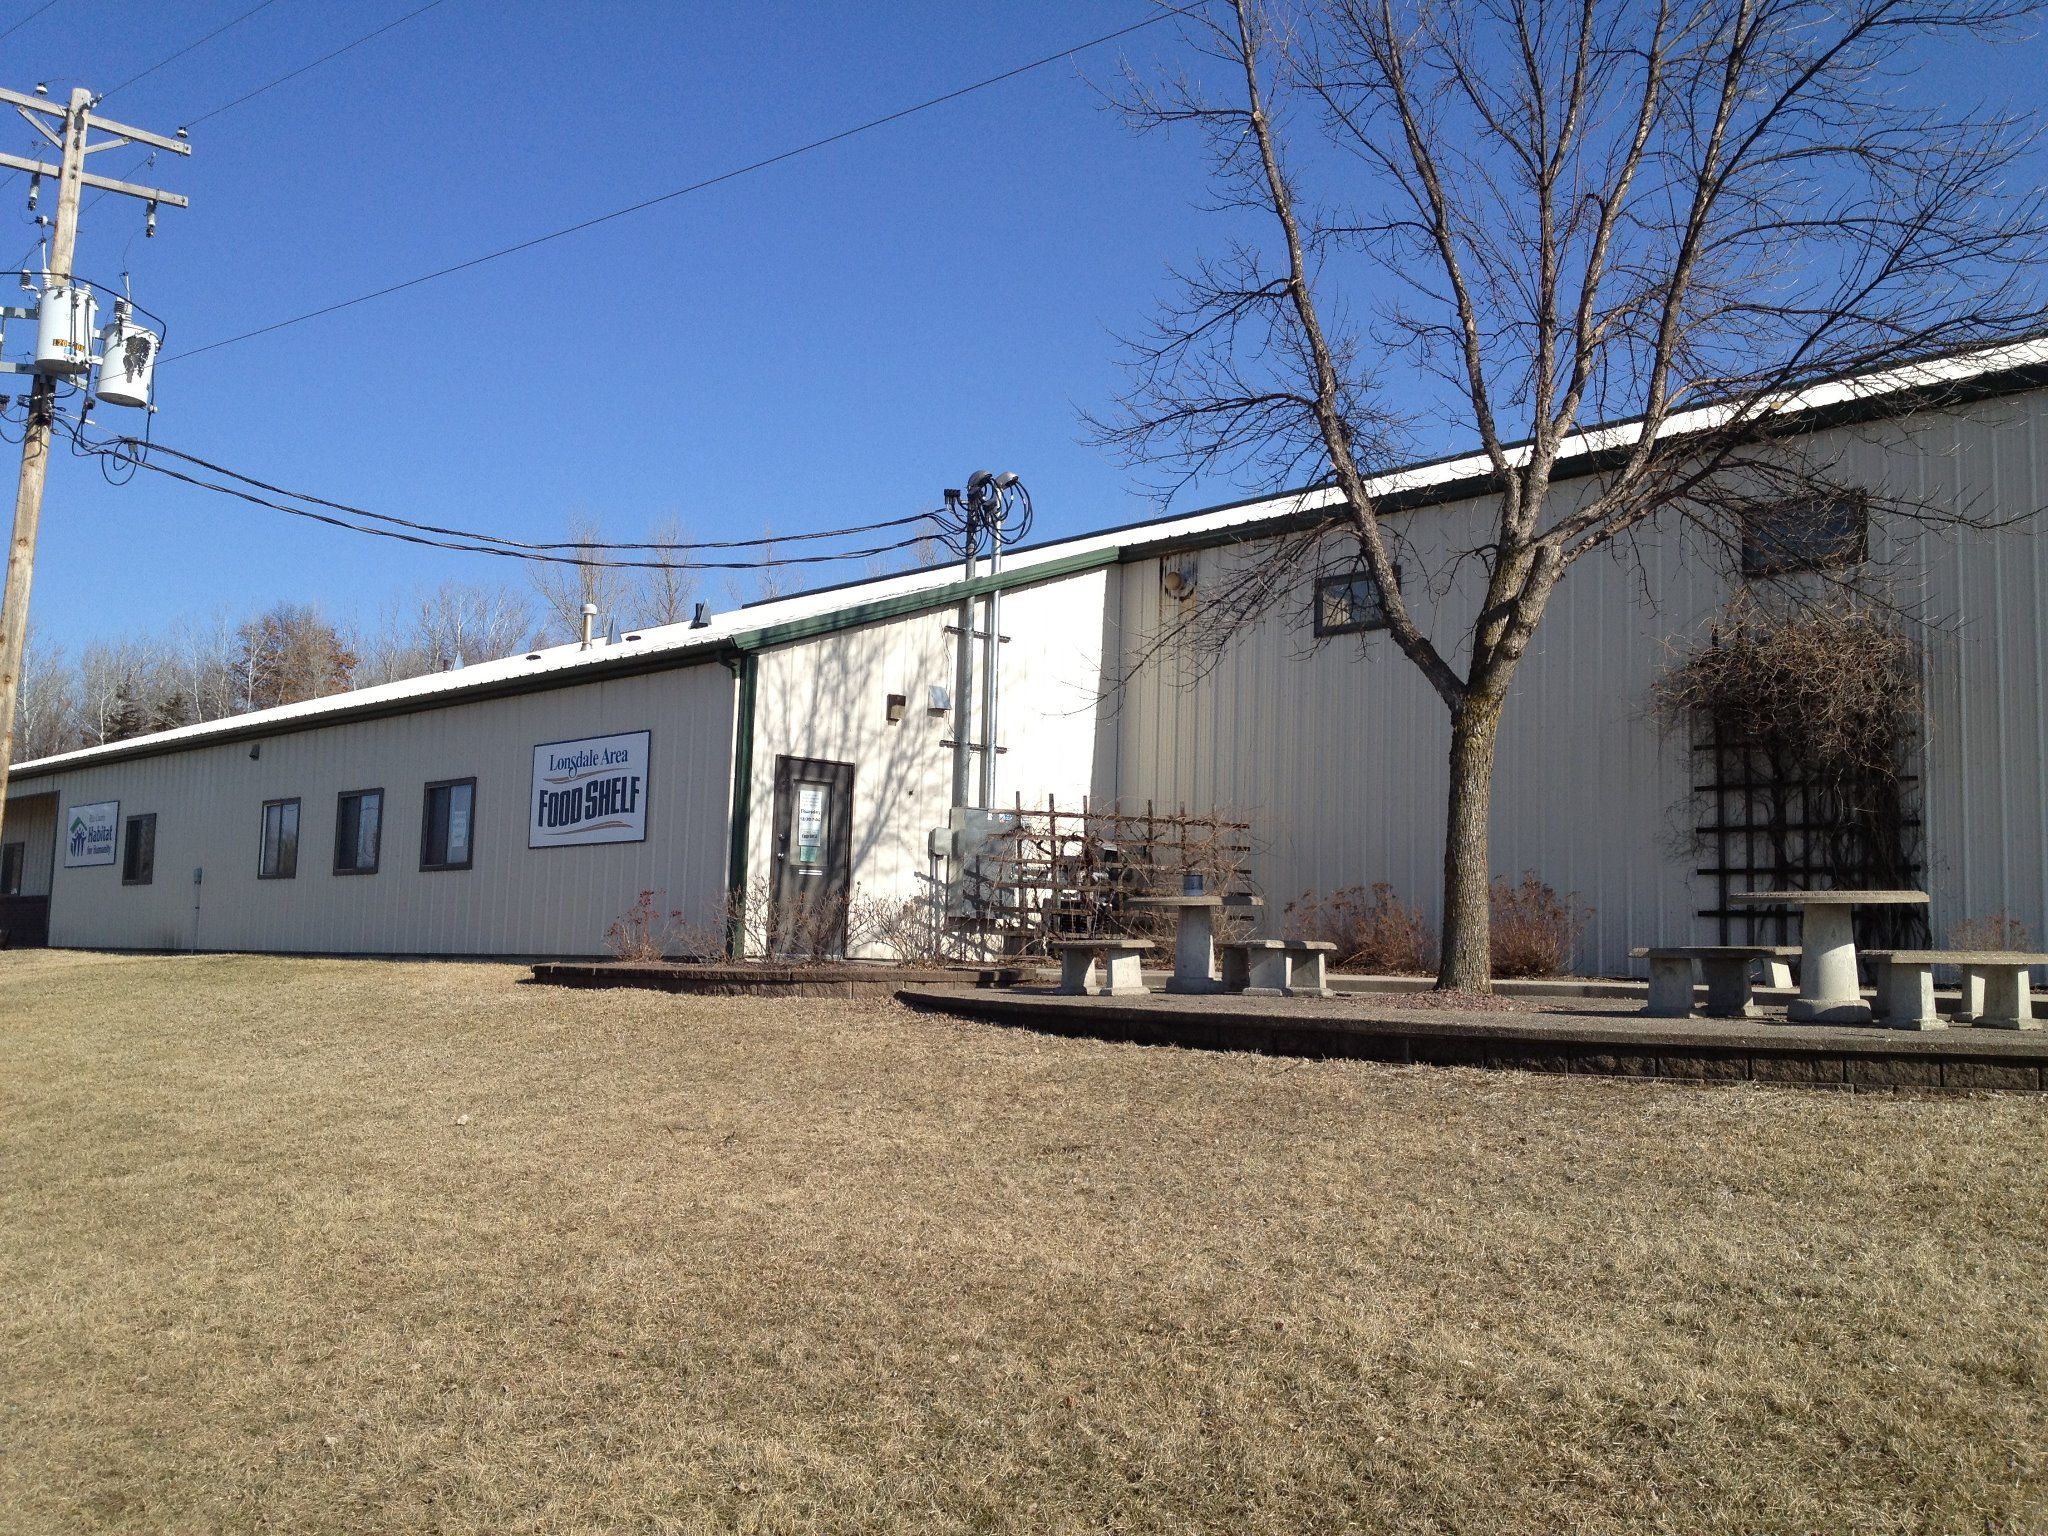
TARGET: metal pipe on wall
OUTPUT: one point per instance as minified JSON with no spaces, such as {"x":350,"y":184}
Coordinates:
{"x":963,"y":684}
{"x":992,"y":645}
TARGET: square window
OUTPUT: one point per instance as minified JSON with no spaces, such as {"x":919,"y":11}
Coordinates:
{"x":1351,"y":603}
{"x":448,"y":825}
{"x":279,"y":859}
{"x":1821,"y":534}
{"x":138,"y":851}
{"x":358,"y":831}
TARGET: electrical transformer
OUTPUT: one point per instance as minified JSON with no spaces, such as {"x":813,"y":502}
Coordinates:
{"x":64,"y":329}
{"x":127,"y":360}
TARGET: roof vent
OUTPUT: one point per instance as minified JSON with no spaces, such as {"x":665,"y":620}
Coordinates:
{"x":701,"y":619}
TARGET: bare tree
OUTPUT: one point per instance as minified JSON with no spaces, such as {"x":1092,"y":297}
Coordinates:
{"x":1562,"y":215}
{"x":667,"y":592}
{"x":203,"y":666}
{"x":564,"y":589}
{"x":116,"y":687}
{"x":291,"y":654}
{"x":451,"y":625}
{"x":44,"y":704}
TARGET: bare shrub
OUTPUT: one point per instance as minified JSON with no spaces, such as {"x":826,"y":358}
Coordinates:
{"x":899,"y":926}
{"x":1535,"y":930}
{"x":1815,"y":702}
{"x":1373,"y":930}
{"x":643,"y":932}
{"x":1833,"y":686}
{"x":1999,"y":930}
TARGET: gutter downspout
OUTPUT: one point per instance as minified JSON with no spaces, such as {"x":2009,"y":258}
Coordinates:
{"x":744,"y":671}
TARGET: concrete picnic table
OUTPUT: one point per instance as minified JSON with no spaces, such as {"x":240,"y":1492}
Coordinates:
{"x":1194,"y":936}
{"x":1829,"y":992}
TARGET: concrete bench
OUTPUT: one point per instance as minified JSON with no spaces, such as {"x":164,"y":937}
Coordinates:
{"x":1276,"y":967}
{"x":1726,"y":968}
{"x":1996,"y":992}
{"x":1121,"y":960}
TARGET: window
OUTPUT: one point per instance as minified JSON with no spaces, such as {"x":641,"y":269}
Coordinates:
{"x":358,"y":831}
{"x":1789,"y":536}
{"x":138,"y":850}
{"x":280,"y":858}
{"x":12,"y":857}
{"x":1350,"y":602}
{"x":447,"y":826}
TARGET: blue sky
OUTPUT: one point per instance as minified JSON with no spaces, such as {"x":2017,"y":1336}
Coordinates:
{"x":832,"y":340}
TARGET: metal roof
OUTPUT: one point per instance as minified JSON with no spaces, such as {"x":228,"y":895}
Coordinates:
{"x":1998,"y":369}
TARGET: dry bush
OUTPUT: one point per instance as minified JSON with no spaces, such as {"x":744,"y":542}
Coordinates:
{"x":1373,"y":930}
{"x":900,"y":927}
{"x":1834,"y":686}
{"x":1535,"y":930}
{"x":643,"y":932}
{"x":1999,"y":930}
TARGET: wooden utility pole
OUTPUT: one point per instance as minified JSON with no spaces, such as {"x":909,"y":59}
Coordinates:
{"x":71,"y":136}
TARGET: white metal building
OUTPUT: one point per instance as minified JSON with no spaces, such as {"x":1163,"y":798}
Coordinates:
{"x":518,"y":806}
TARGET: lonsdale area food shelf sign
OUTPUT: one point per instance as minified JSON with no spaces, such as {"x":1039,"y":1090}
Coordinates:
{"x":89,"y":833}
{"x":592,"y":790}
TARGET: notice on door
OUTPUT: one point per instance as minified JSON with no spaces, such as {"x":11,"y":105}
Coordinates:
{"x":89,"y":833}
{"x":589,"y":791}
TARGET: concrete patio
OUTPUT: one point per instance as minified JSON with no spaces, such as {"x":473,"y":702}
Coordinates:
{"x":1605,"y":1036}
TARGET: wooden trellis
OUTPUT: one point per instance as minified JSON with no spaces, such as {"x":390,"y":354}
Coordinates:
{"x":1072,"y":871}
{"x":1768,"y":828}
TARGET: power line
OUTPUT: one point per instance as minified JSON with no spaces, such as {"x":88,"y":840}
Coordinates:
{"x":248,"y":96}
{"x":132,"y":452}
{"x":131,"y":448}
{"x":695,"y":186}
{"x":47,"y":5}
{"x":229,"y":106}
{"x":197,"y":43}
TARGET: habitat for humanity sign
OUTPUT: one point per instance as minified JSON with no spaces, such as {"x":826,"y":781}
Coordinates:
{"x":89,"y":833}
{"x":589,"y":791}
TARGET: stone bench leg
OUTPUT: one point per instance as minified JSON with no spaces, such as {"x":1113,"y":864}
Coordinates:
{"x":1728,"y":988}
{"x":1077,"y":972}
{"x":1305,"y":976}
{"x":2008,"y":999}
{"x":1777,"y":972}
{"x":1906,"y":994}
{"x":1971,"y":1008}
{"x":1235,"y":977}
{"x":1670,"y":988}
{"x":1268,"y":973}
{"x":1126,"y":977}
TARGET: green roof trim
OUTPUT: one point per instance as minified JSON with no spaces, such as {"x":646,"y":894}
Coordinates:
{"x":724,"y":651}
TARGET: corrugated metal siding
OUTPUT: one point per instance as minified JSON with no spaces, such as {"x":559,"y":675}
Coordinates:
{"x":32,"y":822}
{"x":1336,"y":751}
{"x":513,"y":901}
{"x":827,"y":698}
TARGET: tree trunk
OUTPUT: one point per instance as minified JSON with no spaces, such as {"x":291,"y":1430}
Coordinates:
{"x":1467,"y":960}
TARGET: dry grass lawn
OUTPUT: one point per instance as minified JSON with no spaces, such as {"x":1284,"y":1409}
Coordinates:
{"x":326,"y":1246}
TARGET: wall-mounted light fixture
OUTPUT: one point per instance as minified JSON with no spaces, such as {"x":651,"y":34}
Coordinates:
{"x":897,"y":702}
{"x":941,"y":700}
{"x":255,"y":751}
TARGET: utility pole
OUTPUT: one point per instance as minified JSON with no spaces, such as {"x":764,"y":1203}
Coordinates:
{"x":71,"y":135}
